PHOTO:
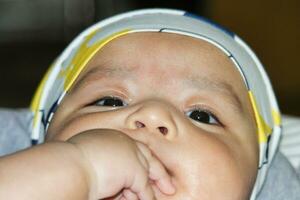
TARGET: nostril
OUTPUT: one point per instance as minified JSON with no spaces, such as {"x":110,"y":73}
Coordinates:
{"x":163,"y":130}
{"x":139,"y":124}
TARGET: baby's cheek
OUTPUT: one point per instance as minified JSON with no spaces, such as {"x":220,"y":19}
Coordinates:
{"x":207,"y":173}
{"x":68,"y":128}
{"x":72,"y":125}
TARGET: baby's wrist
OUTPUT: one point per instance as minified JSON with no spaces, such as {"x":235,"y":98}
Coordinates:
{"x":86,"y":169}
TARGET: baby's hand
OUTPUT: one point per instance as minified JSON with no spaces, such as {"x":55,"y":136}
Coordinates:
{"x":118,"y":166}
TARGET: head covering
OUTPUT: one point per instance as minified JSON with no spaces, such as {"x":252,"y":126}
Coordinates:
{"x":74,"y":58}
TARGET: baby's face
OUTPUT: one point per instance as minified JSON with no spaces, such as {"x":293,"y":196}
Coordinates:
{"x":184,"y":97}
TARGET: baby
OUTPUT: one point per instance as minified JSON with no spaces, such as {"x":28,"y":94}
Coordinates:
{"x":151,"y":104}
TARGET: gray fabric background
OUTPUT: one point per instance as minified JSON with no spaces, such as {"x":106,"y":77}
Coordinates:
{"x":282,"y":183}
{"x":14,"y":132}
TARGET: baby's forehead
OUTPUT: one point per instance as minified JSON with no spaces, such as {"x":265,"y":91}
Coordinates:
{"x":161,"y":50}
{"x":162,"y":42}
{"x":167,"y":59}
{"x":167,"y":51}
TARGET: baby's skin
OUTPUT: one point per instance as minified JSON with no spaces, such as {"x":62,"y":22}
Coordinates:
{"x":179,"y":102}
{"x":95,"y":164}
{"x":118,"y":166}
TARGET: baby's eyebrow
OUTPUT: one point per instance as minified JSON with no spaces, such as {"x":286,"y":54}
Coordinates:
{"x":100,"y":72}
{"x":109,"y":71}
{"x":206,"y":83}
{"x":196,"y":81}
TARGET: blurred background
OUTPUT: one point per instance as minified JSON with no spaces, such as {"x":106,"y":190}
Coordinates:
{"x":34,"y":32}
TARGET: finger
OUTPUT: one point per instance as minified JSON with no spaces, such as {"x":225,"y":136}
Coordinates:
{"x":159,"y":174}
{"x":129,"y":195}
{"x":145,"y":150}
{"x":146,"y":194}
{"x":159,"y":145}
{"x":141,"y":186}
{"x":143,"y":160}
{"x":157,"y":171}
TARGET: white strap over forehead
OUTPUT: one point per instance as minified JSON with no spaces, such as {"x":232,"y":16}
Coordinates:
{"x":72,"y":61}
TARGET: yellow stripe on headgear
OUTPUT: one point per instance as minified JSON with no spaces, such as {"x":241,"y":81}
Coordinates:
{"x":83,"y":55}
{"x":263,"y":129}
{"x":35,"y":103}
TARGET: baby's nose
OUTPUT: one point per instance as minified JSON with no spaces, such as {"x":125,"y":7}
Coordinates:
{"x":155,"y":117}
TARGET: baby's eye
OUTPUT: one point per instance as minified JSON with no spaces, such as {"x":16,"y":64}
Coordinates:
{"x":110,"y":101}
{"x":203,"y":116}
